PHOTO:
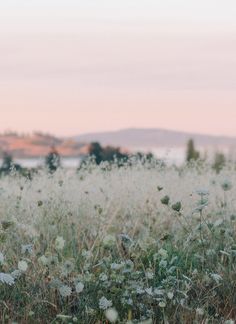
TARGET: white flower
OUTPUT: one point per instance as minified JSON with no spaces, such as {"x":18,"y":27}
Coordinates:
{"x":163,"y":264}
{"x":140,"y":291}
{"x":149,"y":275}
{"x":43,"y":260}
{"x":111,"y":315}
{"x":22,"y":266}
{"x":16,"y":274}
{"x":67,"y":268}
{"x":218,"y":222}
{"x":103,"y":277}
{"x":163,"y":253}
{"x":162,"y":304}
{"x":159,"y":292}
{"x":79,"y":287}
{"x":65,"y":291}
{"x":104,"y":303}
{"x":27,"y":248}
{"x":216,"y":277}
{"x":149,"y":291}
{"x":1,"y":258}
{"x":6,"y":278}
{"x":170,"y":295}
{"x":116,"y":266}
{"x":87,"y":254}
{"x":59,"y":243}
{"x":200,"y":311}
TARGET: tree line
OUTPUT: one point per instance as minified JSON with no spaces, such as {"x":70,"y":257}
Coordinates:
{"x":110,"y":154}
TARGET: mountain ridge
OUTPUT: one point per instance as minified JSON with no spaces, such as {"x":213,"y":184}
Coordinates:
{"x":155,"y":137}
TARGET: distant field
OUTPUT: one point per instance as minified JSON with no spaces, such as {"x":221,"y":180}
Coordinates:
{"x":137,"y":244}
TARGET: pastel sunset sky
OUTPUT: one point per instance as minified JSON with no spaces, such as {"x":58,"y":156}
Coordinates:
{"x":74,"y":66}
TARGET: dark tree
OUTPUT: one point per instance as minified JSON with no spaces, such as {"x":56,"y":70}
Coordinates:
{"x":53,"y":160}
{"x":219,"y":161}
{"x":192,"y":154}
{"x":8,"y":165}
{"x":108,"y":153}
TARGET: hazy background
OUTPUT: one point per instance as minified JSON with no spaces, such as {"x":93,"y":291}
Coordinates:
{"x":74,"y":66}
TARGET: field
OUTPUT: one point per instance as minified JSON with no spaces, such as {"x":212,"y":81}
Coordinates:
{"x":141,"y":243}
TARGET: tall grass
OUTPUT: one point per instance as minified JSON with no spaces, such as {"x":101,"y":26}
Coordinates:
{"x":127,"y":244}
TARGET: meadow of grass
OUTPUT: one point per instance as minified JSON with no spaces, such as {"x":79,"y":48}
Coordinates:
{"x":142,"y":243}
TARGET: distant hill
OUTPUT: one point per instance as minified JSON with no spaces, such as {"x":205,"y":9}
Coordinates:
{"x":38,"y":145}
{"x":156,"y":138}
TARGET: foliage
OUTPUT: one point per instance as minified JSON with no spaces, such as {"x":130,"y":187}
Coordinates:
{"x":8,"y":165}
{"x":191,"y":154}
{"x":219,"y":161}
{"x":107,"y":153}
{"x":52,"y":160}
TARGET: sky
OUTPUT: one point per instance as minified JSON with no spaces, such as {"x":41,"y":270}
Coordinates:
{"x":73,"y":66}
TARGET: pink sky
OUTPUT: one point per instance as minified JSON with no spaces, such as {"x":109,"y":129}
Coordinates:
{"x":67,"y":67}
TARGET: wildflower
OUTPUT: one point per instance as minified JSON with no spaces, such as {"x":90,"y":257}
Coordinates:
{"x":226,"y":185}
{"x":158,"y":292}
{"x":201,"y":205}
{"x":170,"y":295}
{"x":116,"y":266}
{"x":104,"y":303}
{"x":216,"y":277}
{"x":177,"y":206}
{"x":139,"y":291}
{"x":126,"y":239}
{"x":218,"y":222}
{"x":149,"y":275}
{"x":67,"y":268}
{"x":149,"y":291}
{"x":65,"y":291}
{"x":200,"y":311}
{"x":40,"y":203}
{"x":111,"y":315}
{"x":162,"y":304}
{"x":128,"y":266}
{"x":27,"y":248}
{"x":79,"y":287}
{"x":163,"y":264}
{"x":22,"y":266}
{"x":59,"y":243}
{"x":87,"y":254}
{"x":56,"y":283}
{"x":43,"y":260}
{"x":6,"y":278}
{"x":163,"y":253}
{"x":52,"y":261}
{"x":165,"y":200}
{"x":103,"y":277}
{"x":16,"y":274}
